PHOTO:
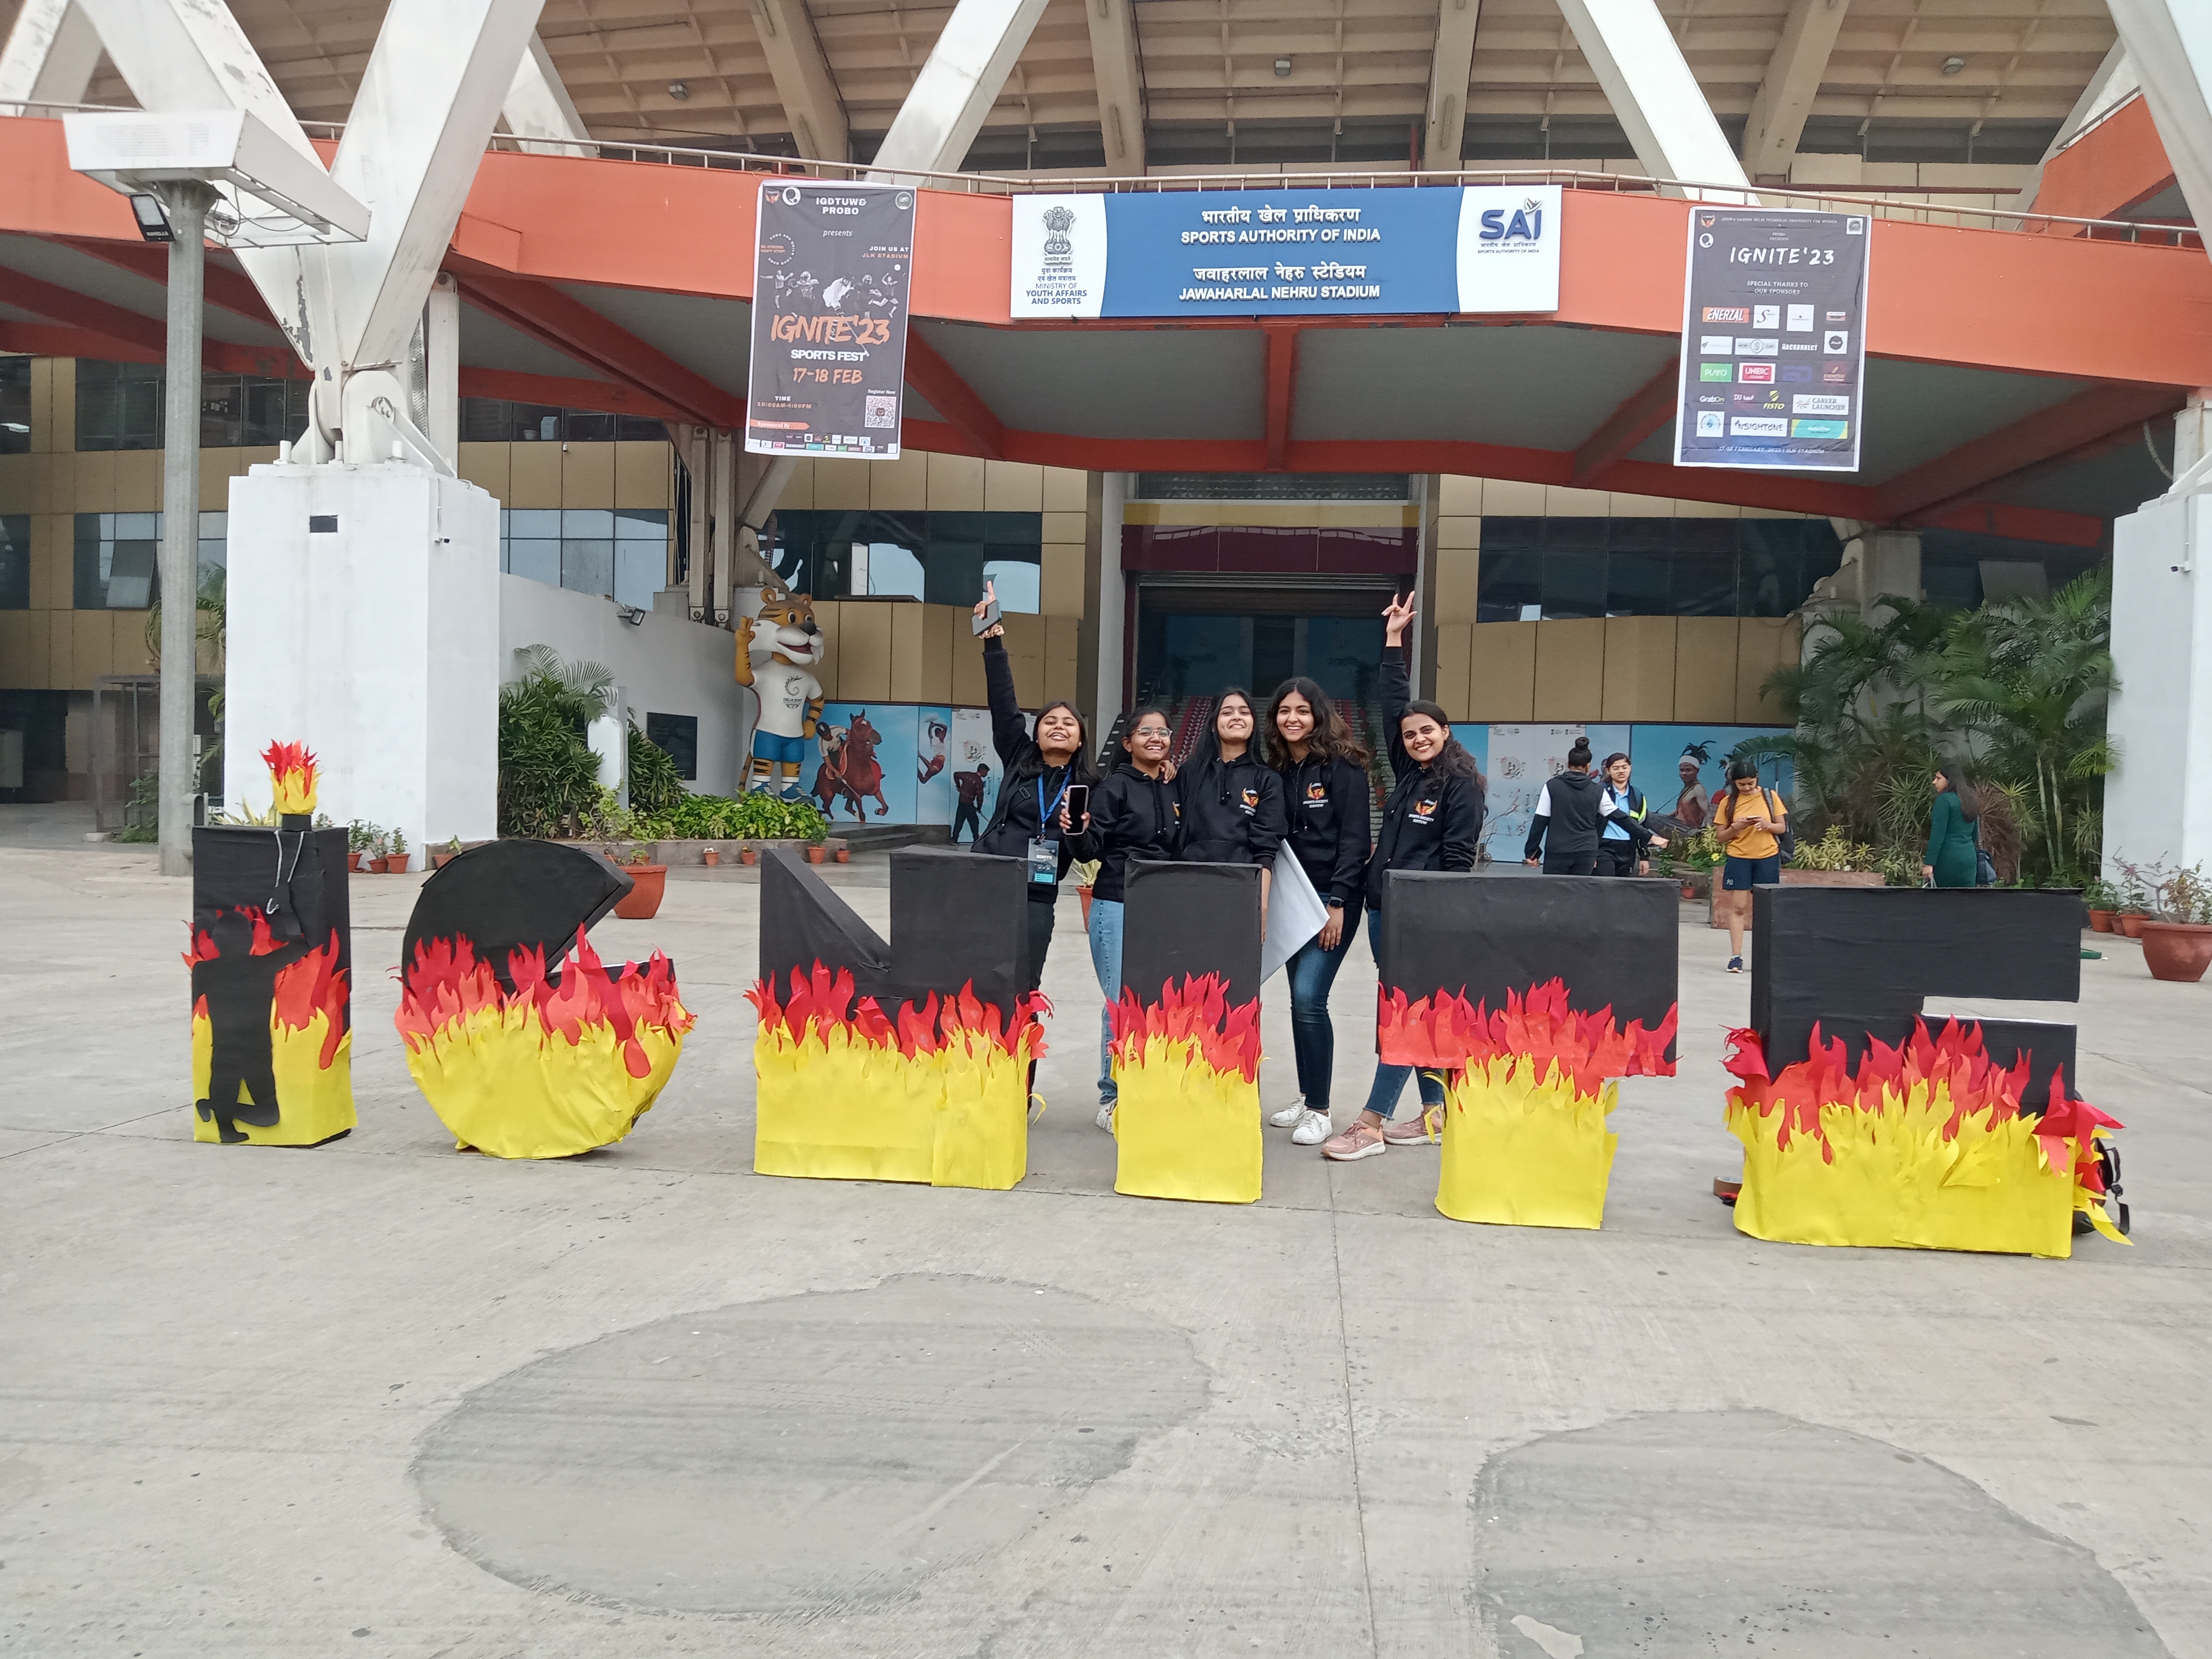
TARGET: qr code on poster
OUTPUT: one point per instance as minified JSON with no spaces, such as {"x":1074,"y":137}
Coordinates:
{"x":883,"y":409}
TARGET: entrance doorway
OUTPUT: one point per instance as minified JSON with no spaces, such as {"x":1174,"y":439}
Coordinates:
{"x":1198,"y":639}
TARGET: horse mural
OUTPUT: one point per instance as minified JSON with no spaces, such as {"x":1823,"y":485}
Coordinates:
{"x":849,"y":770}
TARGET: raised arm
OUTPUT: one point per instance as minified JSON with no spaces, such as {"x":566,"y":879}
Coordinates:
{"x":1397,"y":684}
{"x":1009,"y":736}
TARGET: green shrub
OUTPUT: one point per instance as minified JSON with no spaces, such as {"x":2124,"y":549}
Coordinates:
{"x":654,"y":785}
{"x":755,"y":816}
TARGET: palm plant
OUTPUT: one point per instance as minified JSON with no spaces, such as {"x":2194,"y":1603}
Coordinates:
{"x":549,"y":778}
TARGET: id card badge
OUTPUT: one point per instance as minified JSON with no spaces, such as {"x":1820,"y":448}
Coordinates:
{"x":1044,"y":861}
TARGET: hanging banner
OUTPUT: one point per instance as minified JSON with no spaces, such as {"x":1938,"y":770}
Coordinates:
{"x":1773,"y":340}
{"x":830,"y":278}
{"x":1285,"y":252}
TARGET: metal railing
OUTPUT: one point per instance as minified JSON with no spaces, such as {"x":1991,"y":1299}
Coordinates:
{"x":1903,"y":208}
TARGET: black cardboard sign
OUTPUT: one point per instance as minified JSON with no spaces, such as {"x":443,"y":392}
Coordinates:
{"x":507,"y":894}
{"x":1859,"y":961}
{"x":1186,"y":920}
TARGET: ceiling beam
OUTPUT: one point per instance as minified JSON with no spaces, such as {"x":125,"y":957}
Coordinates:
{"x":1282,"y":390}
{"x":1793,"y":80}
{"x":50,"y":55}
{"x":216,"y":356}
{"x":1959,"y":475}
{"x":1643,"y":412}
{"x":1451,"y":66}
{"x":538,"y":106}
{"x":800,"y":69}
{"x":966,"y":413}
{"x":564,"y":391}
{"x":226,"y":289}
{"x":1121,"y":88}
{"x":573,"y":328}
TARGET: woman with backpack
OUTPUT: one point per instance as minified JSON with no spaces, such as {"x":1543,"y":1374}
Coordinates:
{"x":1954,"y":832}
{"x":1324,"y":772}
{"x":1134,"y":814}
{"x":1562,"y":830}
{"x":1432,"y":821}
{"x":1750,"y":821}
{"x":1032,"y":821}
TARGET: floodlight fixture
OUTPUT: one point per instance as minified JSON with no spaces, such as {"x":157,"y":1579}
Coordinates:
{"x":153,"y":218}
{"x":679,"y":90}
{"x":1282,"y":66}
{"x":270,"y":194}
{"x":1951,"y":66}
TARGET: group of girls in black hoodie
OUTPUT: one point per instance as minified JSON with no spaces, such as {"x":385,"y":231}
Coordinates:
{"x":1232,"y":805}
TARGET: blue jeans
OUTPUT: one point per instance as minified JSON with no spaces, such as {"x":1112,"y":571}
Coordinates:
{"x":1106,"y":961}
{"x":1390,"y":1082}
{"x":1311,"y":970}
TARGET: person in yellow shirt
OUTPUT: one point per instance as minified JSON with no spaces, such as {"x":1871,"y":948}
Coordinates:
{"x":1749,"y":820}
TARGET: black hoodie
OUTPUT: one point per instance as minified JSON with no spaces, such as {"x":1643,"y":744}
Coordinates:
{"x":1026,"y":781}
{"x":1327,"y":802}
{"x":1568,"y":818}
{"x":1232,"y":810}
{"x":1433,"y":820}
{"x":1132,"y":816}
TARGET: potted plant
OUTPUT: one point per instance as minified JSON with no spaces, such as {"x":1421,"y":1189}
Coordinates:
{"x":648,"y":881}
{"x":2100,"y":899}
{"x":395,"y":861}
{"x":2177,"y":938}
{"x":360,"y":840}
{"x":713,"y":857}
{"x":440,"y":857}
{"x":2135,"y":900}
{"x":1834,"y":861}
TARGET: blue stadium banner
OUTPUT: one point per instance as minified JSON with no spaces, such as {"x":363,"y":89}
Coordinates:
{"x":1773,"y":340}
{"x":831,"y":272}
{"x":1432,"y":250}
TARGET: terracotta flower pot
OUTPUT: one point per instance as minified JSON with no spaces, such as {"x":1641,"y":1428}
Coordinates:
{"x":374,"y":866}
{"x":816,"y":854}
{"x":748,"y":856}
{"x":396,"y":864}
{"x":2100,"y":921}
{"x":353,"y":862}
{"x":2131,"y":922}
{"x":642,"y":902}
{"x":2178,"y":951}
{"x":844,"y":855}
{"x":713,"y":855}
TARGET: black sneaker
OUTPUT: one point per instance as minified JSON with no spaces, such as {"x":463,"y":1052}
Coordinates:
{"x":1735,"y":964}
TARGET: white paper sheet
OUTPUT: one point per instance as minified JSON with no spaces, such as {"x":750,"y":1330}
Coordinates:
{"x":1295,"y":914}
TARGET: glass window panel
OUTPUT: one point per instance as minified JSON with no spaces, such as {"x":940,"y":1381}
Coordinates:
{"x":542,"y":522}
{"x":1574,"y":584}
{"x":1640,"y":535}
{"x":533,"y":423}
{"x":215,"y":544}
{"x":129,"y":574}
{"x":957,"y":527}
{"x":1013,"y":529}
{"x":1575,"y":533}
{"x":953,"y":573}
{"x":267,"y":413}
{"x":537,"y":559}
{"x":222,"y":412}
{"x":1510,"y":583}
{"x":14,"y":561}
{"x":1015,"y":583}
{"x":640,"y":428}
{"x":134,"y":526}
{"x":14,"y":405}
{"x":641,"y":571}
{"x":1637,"y":584}
{"x":587,"y":567}
{"x":586,"y":426}
{"x":591,"y":523}
{"x":484,"y":421}
{"x":634,"y":524}
{"x":890,"y":571}
{"x":1704,"y":584}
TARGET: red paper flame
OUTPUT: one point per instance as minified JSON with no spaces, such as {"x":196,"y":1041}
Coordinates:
{"x":1445,"y":1032}
{"x":265,"y":943}
{"x":315,"y":983}
{"x":292,"y":775}
{"x":823,"y":1001}
{"x":447,"y":984}
{"x":1952,"y":1057}
{"x":1198,"y":1012}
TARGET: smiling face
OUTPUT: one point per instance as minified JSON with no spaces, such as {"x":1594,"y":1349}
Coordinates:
{"x":1059,"y":734}
{"x":1424,"y":739}
{"x":1148,"y":744}
{"x":1294,"y":717}
{"x":1232,"y":721}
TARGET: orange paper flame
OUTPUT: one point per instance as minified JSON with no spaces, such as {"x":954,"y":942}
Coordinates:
{"x":447,"y":983}
{"x":292,"y":776}
{"x":823,"y":1001}
{"x":1197,"y":1012}
{"x":1444,"y":1032}
{"x":265,"y":943}
{"x":315,"y":984}
{"x":1951,"y":1061}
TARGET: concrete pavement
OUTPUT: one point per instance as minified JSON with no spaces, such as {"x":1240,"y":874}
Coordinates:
{"x":385,"y":1398}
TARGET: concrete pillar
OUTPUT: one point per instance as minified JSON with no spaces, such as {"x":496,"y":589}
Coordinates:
{"x":1875,"y":561}
{"x":1102,"y":642}
{"x":441,"y":328}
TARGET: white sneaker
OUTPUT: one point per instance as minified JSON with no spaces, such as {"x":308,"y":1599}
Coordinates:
{"x":1290,"y":1118}
{"x":1313,"y":1129}
{"x":1105,"y":1119}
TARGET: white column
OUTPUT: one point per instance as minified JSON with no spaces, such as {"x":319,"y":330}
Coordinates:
{"x":538,"y":106}
{"x":1451,"y":65}
{"x":953,"y":94}
{"x":803,"y":81}
{"x":50,"y":55}
{"x":2158,"y":801}
{"x":1111,"y":691}
{"x":1793,"y":80}
{"x":1635,"y":60}
{"x":1121,"y":88}
{"x":609,"y":736}
{"x":727,"y":518}
{"x":442,"y":328}
{"x":2169,"y":43}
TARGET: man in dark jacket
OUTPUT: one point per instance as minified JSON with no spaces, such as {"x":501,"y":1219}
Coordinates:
{"x":1563,"y":833}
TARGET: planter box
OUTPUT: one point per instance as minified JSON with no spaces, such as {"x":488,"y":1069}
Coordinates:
{"x":1792,"y":877}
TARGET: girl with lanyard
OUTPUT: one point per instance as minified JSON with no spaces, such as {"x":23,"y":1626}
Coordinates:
{"x":1232,"y":805}
{"x":1134,"y":814}
{"x":1324,"y":772}
{"x":1032,"y":821}
{"x":1432,"y":821}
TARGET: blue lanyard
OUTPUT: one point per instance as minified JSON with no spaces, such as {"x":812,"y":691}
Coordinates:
{"x":1044,"y":813}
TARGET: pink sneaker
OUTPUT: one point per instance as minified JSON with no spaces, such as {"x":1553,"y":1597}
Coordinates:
{"x":1362,"y":1140}
{"x":1426,"y":1130}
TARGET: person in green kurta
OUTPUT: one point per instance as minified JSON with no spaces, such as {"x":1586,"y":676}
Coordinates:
{"x":1953,"y":834}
